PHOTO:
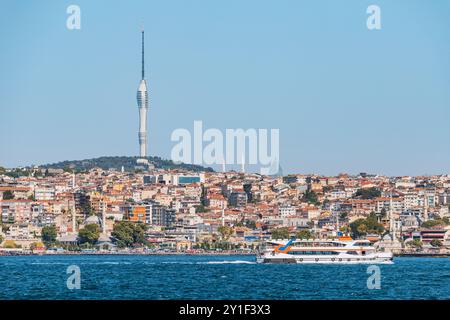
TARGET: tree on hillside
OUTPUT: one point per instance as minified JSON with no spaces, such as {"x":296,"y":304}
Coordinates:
{"x":200,"y":208}
{"x":361,"y":230}
{"x":304,"y":234}
{"x":436,"y":243}
{"x":435,"y":223}
{"x":361,"y":227}
{"x":89,"y":234}
{"x":310,"y":197}
{"x":127,"y":234}
{"x":246,"y":223}
{"x":10,"y":244}
{"x":203,"y":197}
{"x":250,"y":224}
{"x":48,"y":235}
{"x":280,"y":233}
{"x":416,"y":243}
{"x":68,"y":169}
{"x":369,"y":193}
{"x":225,"y":232}
{"x":8,"y":195}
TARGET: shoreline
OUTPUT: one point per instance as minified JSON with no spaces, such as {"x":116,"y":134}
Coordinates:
{"x":16,"y":254}
{"x":131,"y":254}
{"x":424,"y":255}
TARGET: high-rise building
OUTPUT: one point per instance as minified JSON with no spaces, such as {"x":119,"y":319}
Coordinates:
{"x":150,"y":212}
{"x":142,"y":101}
{"x":237,"y":199}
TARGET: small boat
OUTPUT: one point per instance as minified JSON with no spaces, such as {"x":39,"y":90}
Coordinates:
{"x":343,"y":250}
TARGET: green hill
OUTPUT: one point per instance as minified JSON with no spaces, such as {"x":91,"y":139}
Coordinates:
{"x":129,"y":164}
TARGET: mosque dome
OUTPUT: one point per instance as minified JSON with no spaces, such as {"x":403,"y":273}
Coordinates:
{"x":92,"y":219}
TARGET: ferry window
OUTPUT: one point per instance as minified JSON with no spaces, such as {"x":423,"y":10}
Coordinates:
{"x":363,"y":244}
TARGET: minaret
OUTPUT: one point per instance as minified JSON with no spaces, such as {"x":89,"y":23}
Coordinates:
{"x":74,"y":218}
{"x":392,"y":227}
{"x":337,"y":224}
{"x":243,"y":163}
{"x":142,"y":101}
{"x":425,"y":206}
{"x":223,"y":165}
{"x":104,"y":217}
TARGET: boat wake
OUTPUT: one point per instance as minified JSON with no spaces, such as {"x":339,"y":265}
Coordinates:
{"x":228,"y":262}
{"x":210,"y":262}
{"x":47,"y":263}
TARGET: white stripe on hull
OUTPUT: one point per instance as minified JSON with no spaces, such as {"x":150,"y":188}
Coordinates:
{"x":324,"y":261}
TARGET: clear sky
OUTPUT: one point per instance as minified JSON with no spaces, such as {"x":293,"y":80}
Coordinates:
{"x":345,"y":99}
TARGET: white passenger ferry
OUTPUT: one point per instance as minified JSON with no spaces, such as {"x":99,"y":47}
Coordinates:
{"x":342,"y":250}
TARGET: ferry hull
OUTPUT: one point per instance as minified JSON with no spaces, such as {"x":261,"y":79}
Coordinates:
{"x":379,"y":259}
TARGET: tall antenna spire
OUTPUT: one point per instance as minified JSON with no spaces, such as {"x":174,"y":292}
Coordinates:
{"x":143,"y":73}
{"x":142,"y":102}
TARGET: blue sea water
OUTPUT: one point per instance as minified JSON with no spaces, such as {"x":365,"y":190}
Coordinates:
{"x":216,"y":277}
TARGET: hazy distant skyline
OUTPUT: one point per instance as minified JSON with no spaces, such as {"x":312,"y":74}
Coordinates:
{"x":344,"y":98}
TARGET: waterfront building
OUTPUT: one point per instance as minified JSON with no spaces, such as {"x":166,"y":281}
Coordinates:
{"x":430,"y":234}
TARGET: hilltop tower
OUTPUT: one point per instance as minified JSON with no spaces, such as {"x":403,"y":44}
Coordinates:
{"x":142,"y":102}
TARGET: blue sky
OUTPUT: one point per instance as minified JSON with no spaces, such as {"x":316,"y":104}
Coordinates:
{"x":345,"y":99}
